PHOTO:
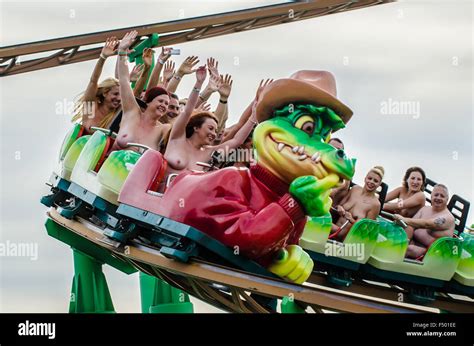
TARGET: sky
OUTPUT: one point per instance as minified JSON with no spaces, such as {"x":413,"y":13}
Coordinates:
{"x":404,"y":68}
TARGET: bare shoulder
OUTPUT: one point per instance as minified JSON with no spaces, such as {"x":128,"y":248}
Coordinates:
{"x":449,"y":217}
{"x":376,"y":203}
{"x":420,"y":195}
{"x":445,"y":219}
{"x":397,"y":191}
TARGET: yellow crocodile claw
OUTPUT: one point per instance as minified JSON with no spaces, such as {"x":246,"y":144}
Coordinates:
{"x":293,"y":264}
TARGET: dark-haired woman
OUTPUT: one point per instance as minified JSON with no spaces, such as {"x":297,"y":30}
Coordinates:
{"x":139,"y":126}
{"x":410,"y":195}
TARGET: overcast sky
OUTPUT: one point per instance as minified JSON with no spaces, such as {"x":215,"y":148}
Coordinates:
{"x":418,"y":53}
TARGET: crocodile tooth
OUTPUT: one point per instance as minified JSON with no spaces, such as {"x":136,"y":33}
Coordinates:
{"x":315,"y":157}
{"x":301,"y":151}
{"x":295,"y":149}
{"x":280,"y":146}
{"x":302,"y":157}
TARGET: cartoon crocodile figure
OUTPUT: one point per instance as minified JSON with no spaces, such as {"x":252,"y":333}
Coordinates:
{"x":261,"y":212}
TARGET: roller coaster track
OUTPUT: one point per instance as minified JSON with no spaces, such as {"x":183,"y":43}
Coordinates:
{"x":74,"y":49}
{"x":236,"y":291}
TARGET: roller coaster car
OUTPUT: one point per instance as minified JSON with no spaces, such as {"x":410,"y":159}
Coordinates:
{"x":96,"y":180}
{"x":72,"y":145}
{"x":139,"y":201}
{"x":447,"y":264}
{"x":343,"y":259}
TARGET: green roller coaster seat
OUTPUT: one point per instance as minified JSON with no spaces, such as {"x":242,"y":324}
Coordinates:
{"x":440,"y":261}
{"x":103,"y":180}
{"x":356,"y":247}
{"x":465,"y":271}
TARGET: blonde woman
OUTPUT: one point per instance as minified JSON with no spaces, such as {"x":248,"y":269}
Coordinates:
{"x":359,"y":203}
{"x":100,"y":101}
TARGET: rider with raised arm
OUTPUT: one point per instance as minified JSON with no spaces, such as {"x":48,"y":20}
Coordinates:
{"x":192,"y":136}
{"x":99,"y":103}
{"x":139,"y":126}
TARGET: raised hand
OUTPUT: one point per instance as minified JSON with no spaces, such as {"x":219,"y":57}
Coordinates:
{"x":212,"y":66}
{"x":226,"y":86}
{"x":205,"y":107}
{"x":187,"y":67}
{"x":136,"y":72}
{"x":165,"y":54}
{"x":214,"y":82}
{"x":168,"y":71}
{"x":110,"y":47}
{"x":263,"y":84}
{"x":201,"y":74}
{"x":147,"y":56}
{"x":127,"y":41}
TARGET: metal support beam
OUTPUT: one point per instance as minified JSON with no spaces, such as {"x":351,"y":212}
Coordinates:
{"x":74,"y":49}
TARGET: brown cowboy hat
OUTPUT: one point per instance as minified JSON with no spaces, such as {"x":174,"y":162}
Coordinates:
{"x":315,"y":87}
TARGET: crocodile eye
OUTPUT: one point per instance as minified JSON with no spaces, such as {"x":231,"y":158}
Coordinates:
{"x":306,"y":124}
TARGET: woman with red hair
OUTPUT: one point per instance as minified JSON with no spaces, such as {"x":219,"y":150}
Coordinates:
{"x":137,"y":126}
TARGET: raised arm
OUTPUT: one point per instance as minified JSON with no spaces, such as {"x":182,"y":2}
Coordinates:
{"x":393,"y":194}
{"x":247,"y":112}
{"x":178,"y":130}
{"x":186,"y":67}
{"x":128,"y":99}
{"x":417,"y":200}
{"x":107,"y":51}
{"x":222,"y":123}
{"x":147,"y":62}
{"x":168,"y":73}
{"x":213,"y":83}
{"x":244,"y":131}
{"x":442,"y":224}
{"x":155,"y":74}
{"x":225,"y":88}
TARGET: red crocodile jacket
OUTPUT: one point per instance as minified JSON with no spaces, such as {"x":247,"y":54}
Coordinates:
{"x":248,"y":208}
